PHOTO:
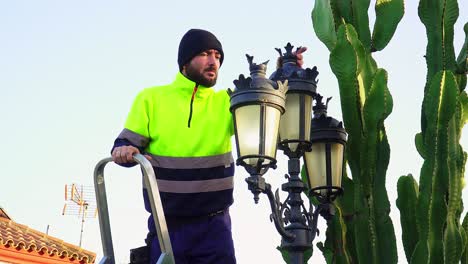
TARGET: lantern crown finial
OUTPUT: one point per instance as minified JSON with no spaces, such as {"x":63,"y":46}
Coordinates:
{"x":321,"y":121}
{"x":289,"y":56}
{"x":320,"y":109}
{"x":258,"y":88}
{"x":256,"y":69}
{"x":301,"y":79}
{"x":258,"y":79}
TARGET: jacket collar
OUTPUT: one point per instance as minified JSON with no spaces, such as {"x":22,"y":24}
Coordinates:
{"x":185,"y":84}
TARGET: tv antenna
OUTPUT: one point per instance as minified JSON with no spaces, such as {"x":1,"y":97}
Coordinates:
{"x":80,"y":201}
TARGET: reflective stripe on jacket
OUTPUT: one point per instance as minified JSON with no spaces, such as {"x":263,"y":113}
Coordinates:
{"x":187,"y":132}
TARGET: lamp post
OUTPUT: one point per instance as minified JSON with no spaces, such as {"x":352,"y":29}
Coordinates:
{"x":277,"y":113}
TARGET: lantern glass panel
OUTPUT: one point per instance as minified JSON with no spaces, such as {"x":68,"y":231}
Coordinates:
{"x":248,"y":123}
{"x":317,"y":165}
{"x":337,"y":152}
{"x":272,"y":120}
{"x":249,"y":133}
{"x":290,"y":124}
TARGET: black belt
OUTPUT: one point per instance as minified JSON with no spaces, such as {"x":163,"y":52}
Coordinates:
{"x":216,"y":213}
{"x":174,"y":221}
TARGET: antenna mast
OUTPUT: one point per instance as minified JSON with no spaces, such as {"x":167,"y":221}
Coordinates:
{"x":79,"y":201}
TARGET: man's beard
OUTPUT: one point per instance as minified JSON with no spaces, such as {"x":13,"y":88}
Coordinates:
{"x":197,"y":77}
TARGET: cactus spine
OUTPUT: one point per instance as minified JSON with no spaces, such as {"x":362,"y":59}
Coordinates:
{"x":362,"y":231}
{"x":434,"y":233}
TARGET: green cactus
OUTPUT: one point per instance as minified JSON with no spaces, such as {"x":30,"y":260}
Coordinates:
{"x":339,"y":250}
{"x":362,"y":231}
{"x":408,"y":194}
{"x":464,"y":229}
{"x":434,"y":234}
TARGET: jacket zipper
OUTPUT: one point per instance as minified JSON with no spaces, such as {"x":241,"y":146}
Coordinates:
{"x":191,"y":103}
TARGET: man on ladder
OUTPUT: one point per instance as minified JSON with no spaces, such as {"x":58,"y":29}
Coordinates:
{"x":184,"y":129}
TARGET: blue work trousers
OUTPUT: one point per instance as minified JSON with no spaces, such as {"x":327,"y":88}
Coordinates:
{"x":203,"y":241}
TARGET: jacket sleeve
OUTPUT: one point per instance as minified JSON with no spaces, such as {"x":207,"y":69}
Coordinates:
{"x":135,"y":132}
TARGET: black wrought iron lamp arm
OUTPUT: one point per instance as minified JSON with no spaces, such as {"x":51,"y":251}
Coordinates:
{"x":276,"y":214}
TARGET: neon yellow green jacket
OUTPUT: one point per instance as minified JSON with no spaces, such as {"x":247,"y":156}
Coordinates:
{"x":192,"y":159}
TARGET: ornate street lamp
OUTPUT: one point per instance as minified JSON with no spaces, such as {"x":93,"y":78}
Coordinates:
{"x":294,"y":127}
{"x":257,"y":104}
{"x":324,"y":164}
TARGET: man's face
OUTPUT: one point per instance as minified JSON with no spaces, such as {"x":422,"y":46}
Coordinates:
{"x":203,"y":68}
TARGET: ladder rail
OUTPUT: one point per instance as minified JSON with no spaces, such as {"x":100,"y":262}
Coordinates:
{"x":167,"y":256}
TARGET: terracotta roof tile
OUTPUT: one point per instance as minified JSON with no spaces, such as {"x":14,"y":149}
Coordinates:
{"x":22,"y":237}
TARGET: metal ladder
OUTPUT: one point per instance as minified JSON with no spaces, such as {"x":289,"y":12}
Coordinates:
{"x":167,"y":256}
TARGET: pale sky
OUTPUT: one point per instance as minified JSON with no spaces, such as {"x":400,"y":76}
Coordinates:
{"x":71,"y":69}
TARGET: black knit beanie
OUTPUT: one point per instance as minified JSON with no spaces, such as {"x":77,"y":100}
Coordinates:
{"x":196,"y":41}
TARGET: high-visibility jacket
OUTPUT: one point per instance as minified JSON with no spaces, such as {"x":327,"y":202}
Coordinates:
{"x":186,"y":129}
